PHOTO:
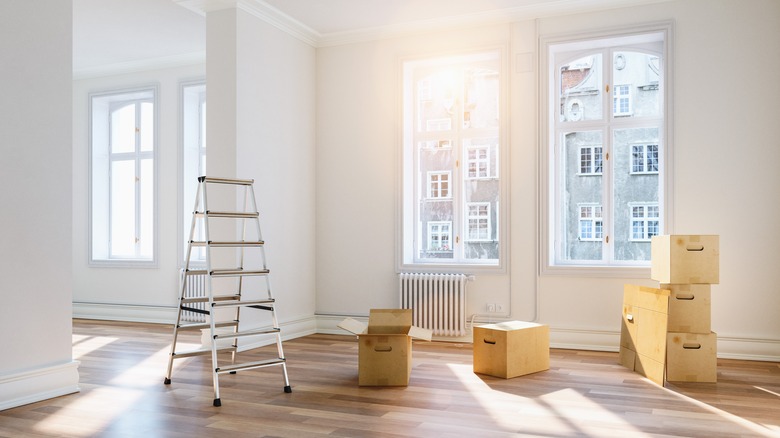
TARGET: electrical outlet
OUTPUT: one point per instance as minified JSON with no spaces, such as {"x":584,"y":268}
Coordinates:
{"x":491,"y":307}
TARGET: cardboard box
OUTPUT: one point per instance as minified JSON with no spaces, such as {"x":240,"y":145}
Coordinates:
{"x":690,"y":308}
{"x":385,"y":346}
{"x":643,"y":331}
{"x":685,"y":259}
{"x":692,"y":357}
{"x":511,"y":349}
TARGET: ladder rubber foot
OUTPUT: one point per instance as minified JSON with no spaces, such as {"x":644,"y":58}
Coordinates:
{"x":217,"y":402}
{"x":167,"y":381}
{"x":233,"y":372}
{"x":287,"y":389}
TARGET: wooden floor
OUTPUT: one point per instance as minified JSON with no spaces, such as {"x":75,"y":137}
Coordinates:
{"x":583,"y":394}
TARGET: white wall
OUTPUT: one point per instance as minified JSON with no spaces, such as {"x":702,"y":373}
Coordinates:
{"x":142,"y":294}
{"x":35,"y":181}
{"x":260,"y":90}
{"x":724,"y":153}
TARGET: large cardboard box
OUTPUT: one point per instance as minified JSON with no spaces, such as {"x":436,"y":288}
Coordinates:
{"x":692,"y":357}
{"x":685,"y":259}
{"x":690,"y":308}
{"x":643,"y":331}
{"x":385,"y":346}
{"x":511,"y":349}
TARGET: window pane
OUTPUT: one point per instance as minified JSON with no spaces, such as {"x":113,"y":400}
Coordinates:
{"x":582,"y":227}
{"x":581,"y":89}
{"x":635,"y":76}
{"x":480,"y":98}
{"x":122,"y":209}
{"x":147,"y":126}
{"x":146,"y":201}
{"x":123,"y":129}
{"x":632,"y":189}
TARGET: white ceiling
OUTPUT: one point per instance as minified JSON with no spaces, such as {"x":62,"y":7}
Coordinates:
{"x":122,"y":34}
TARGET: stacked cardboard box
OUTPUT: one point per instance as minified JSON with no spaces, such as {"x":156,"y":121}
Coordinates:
{"x":687,"y":266}
{"x":666,"y":332}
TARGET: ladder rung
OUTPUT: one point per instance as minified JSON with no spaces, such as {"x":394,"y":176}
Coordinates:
{"x":205,"y":325}
{"x":249,"y":365}
{"x":236,"y":303}
{"x":206,"y":299}
{"x":248,"y":333}
{"x":218,"y":180}
{"x":200,"y":352}
{"x":239,"y":244}
{"x":229,"y":214}
{"x":237,"y":272}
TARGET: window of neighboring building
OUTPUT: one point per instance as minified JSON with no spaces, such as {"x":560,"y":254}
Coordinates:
{"x":193,"y":162}
{"x":451,"y":154}
{"x":123,"y":177}
{"x":644,"y":158}
{"x":644,"y":222}
{"x":619,"y":142}
{"x":590,"y":160}
{"x":438,"y":185}
{"x":478,"y":217}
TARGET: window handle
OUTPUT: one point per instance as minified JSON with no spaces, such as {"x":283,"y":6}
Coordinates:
{"x":607,"y":88}
{"x":457,"y":239}
{"x":607,"y":238}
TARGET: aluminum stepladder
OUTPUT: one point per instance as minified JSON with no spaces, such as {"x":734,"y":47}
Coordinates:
{"x":236,"y":292}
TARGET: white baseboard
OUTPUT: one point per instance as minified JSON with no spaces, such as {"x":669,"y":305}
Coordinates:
{"x":38,"y":384}
{"x":125,"y":312}
{"x":728,"y":347}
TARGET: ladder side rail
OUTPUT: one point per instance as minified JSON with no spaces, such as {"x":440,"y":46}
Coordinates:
{"x":209,"y":290}
{"x":183,"y":282}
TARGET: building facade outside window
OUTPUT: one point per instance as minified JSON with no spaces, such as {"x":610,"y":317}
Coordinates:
{"x":451,"y":159}
{"x":123,"y":185}
{"x":606,"y":149}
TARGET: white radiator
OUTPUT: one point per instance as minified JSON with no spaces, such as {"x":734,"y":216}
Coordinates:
{"x":438,"y":300}
{"x":194,"y":287}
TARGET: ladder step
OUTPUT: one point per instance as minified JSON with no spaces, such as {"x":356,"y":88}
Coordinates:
{"x":237,"y":272}
{"x":205,"y":325}
{"x":200,"y":352}
{"x":226,"y":244}
{"x":206,"y":299}
{"x":244,"y":303}
{"x":256,"y":332}
{"x":249,"y":365}
{"x":228,"y":214}
{"x":218,"y":180}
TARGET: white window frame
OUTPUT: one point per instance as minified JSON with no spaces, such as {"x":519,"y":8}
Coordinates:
{"x":596,"y":222}
{"x":645,"y":162}
{"x":436,"y":185}
{"x":486,"y":218}
{"x":645,"y":219}
{"x":619,"y":97}
{"x":192,"y":161}
{"x":100,"y":159}
{"x":592,"y":168}
{"x":477,"y":162}
{"x":549,"y":109}
{"x":410,"y":232}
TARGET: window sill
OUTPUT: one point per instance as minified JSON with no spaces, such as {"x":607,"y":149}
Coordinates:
{"x":133,"y":264}
{"x":596,"y":271}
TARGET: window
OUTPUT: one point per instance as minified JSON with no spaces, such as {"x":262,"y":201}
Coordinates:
{"x":438,"y":185}
{"x":123,"y":177}
{"x":644,"y":158}
{"x":618,"y":143}
{"x":439,"y":236}
{"x":590,"y":223}
{"x":193,"y":162}
{"x":644,"y":222}
{"x":590,"y":160}
{"x":478,"y":217}
{"x":451,"y":156}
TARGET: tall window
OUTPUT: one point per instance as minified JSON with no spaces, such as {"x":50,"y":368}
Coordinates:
{"x":451,"y":161}
{"x":193,"y":156}
{"x":615,"y":135}
{"x":123,"y":184}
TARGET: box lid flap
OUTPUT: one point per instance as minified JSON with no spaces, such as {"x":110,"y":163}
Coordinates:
{"x":420,"y":333}
{"x":389,"y":321}
{"x":353,"y":326}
